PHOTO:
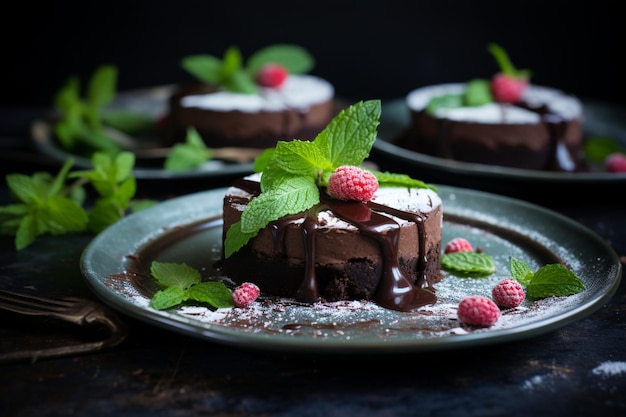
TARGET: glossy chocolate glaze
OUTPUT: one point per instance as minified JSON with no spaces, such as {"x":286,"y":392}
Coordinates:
{"x":396,"y":291}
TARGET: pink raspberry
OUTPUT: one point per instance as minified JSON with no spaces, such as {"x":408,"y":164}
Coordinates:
{"x":352,"y":183}
{"x":272,"y":75}
{"x":245,"y":294}
{"x":478,"y":310}
{"x":458,"y":244}
{"x":507,"y":89}
{"x":615,"y":162}
{"x":508,"y":293}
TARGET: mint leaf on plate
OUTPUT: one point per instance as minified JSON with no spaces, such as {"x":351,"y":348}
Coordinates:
{"x":468,"y":263}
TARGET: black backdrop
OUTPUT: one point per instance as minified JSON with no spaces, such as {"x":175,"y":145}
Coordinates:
{"x":367,"y":49}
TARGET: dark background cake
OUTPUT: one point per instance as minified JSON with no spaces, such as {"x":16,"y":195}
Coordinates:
{"x":369,"y":49}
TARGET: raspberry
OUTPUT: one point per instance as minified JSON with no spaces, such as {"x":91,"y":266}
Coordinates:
{"x":245,"y":294}
{"x":508,"y":293}
{"x":458,"y":244}
{"x":352,"y":183}
{"x":272,"y":75}
{"x":615,"y":162}
{"x":507,"y":89}
{"x":478,"y":310}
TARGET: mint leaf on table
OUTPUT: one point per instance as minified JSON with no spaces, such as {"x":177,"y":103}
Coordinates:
{"x":181,"y":282}
{"x":189,"y":154}
{"x":548,"y":281}
{"x":468,"y":263}
{"x":44,"y":206}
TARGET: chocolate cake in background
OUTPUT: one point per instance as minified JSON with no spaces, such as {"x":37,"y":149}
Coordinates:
{"x":251,"y":103}
{"x":386,"y":250}
{"x":301,"y":108}
{"x":542,"y":131}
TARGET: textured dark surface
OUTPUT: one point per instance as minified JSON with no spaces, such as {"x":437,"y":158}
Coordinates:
{"x":578,"y":370}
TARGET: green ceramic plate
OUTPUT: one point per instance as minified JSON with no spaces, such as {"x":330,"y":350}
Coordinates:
{"x":501,"y":226}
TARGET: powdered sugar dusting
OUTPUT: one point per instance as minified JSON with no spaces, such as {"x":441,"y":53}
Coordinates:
{"x":610,"y":368}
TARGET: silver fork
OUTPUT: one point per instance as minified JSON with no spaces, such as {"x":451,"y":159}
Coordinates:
{"x":80,"y":311}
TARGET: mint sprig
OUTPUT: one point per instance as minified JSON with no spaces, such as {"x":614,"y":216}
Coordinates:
{"x":180,"y":282}
{"x":233,"y":75}
{"x":294,"y":172}
{"x":548,"y":281}
{"x":53,"y":205}
{"x":189,"y":154}
{"x":82,"y":119}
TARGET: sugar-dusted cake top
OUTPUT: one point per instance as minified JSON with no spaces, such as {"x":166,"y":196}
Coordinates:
{"x":558,"y":102}
{"x":297,"y":91}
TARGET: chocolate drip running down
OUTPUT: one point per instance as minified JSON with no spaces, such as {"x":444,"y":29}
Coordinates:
{"x":395,"y":291}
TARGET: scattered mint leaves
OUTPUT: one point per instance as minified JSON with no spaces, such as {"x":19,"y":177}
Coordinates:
{"x":82,"y":120}
{"x":471,"y":264}
{"x":53,"y":205}
{"x":43,"y":207}
{"x":548,"y":281}
{"x":293,"y":172}
{"x":181,"y":282}
{"x":231,"y":74}
{"x":189,"y":154}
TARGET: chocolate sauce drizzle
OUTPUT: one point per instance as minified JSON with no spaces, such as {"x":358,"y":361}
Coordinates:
{"x":395,"y":290}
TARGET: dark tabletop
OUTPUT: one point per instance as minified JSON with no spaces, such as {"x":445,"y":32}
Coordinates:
{"x":576,"y":370}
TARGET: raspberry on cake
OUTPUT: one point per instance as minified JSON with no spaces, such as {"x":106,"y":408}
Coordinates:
{"x":284,"y":224}
{"x":269,"y":98}
{"x":505,"y":121}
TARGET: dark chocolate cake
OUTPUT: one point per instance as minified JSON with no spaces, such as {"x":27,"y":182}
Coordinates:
{"x":386,"y":250}
{"x":542,"y":131}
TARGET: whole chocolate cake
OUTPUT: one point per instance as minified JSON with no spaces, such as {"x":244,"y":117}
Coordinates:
{"x":324,"y":228}
{"x":541,"y":131}
{"x":504,"y":121}
{"x":270,"y":98}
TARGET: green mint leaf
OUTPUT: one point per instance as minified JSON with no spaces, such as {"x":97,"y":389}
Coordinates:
{"x":520,"y":271}
{"x":102,"y":214}
{"x":301,"y":158}
{"x":169,"y":274}
{"x":598,"y":148}
{"x":505,"y":64}
{"x":348,"y":138}
{"x":26,"y":232}
{"x":213,"y":293}
{"x":293,"y":195}
{"x":102,"y":86}
{"x":60,"y":215}
{"x":206,"y":68}
{"x":554,"y":280}
{"x":232,"y":62}
{"x":168,"y":297}
{"x":236,"y":239}
{"x":240,"y":82}
{"x":477,"y":93}
{"x":468,"y":263}
{"x":188,"y":155}
{"x":388,"y":179}
{"x":127,"y":121}
{"x":447,"y":101}
{"x":295,"y":58}
{"x":262,"y":161}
